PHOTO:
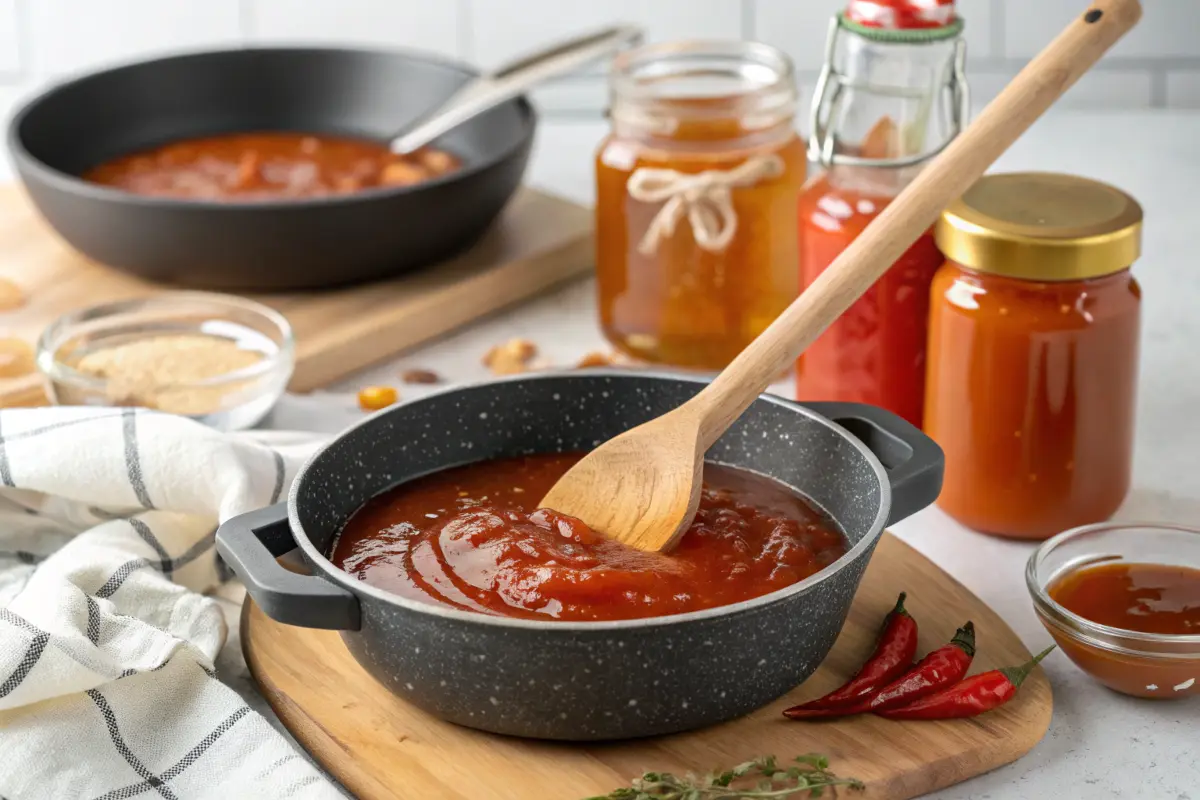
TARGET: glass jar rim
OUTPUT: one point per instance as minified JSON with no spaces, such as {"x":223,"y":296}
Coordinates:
{"x":1105,"y":637}
{"x":640,"y":75}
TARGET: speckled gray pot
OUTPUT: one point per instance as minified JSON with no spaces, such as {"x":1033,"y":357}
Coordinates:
{"x":584,"y":680}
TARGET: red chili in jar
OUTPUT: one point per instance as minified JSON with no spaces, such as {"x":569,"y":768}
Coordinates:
{"x":873,"y":130}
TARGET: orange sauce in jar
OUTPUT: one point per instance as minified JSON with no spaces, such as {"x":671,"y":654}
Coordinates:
{"x":1033,"y":353}
{"x":1031,"y":396}
{"x":695,"y":210}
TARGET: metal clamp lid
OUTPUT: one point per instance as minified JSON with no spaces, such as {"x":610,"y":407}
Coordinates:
{"x":829,"y":95}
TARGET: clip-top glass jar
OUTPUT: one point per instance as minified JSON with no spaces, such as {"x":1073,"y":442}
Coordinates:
{"x":1033,"y":353}
{"x":892,"y":94}
{"x":696,"y":199}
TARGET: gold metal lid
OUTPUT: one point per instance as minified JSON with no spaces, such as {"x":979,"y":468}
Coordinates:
{"x":1042,"y":226}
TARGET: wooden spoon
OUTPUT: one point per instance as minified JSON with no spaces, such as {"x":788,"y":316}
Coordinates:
{"x":643,"y":486}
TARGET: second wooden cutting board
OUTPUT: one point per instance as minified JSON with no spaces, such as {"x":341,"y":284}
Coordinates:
{"x":540,"y":240}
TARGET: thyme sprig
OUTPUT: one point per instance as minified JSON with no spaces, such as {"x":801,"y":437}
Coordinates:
{"x":759,"y":779}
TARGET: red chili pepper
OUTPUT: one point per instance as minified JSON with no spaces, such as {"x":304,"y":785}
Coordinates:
{"x":893,"y":655}
{"x":943,"y":667}
{"x":968,"y":698}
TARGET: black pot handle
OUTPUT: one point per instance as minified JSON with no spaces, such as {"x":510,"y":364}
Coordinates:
{"x":251,"y":542}
{"x":913,"y":461}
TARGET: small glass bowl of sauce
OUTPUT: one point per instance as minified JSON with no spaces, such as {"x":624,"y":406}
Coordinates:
{"x":1123,"y":602}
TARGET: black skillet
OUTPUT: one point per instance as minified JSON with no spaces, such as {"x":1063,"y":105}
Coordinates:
{"x":275,"y":245}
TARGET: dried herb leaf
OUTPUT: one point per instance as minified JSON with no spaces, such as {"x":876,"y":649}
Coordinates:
{"x":753,"y":780}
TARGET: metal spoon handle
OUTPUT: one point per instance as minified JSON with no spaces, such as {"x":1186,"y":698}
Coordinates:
{"x":513,"y":79}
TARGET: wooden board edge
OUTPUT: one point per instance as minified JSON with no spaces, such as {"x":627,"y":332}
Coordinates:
{"x":423,"y":327}
{"x":24,"y":392}
{"x":319,"y":744}
{"x":434,"y":321}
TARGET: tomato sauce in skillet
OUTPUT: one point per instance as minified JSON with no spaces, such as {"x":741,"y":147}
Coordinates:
{"x":268,"y":166}
{"x":473,"y":538}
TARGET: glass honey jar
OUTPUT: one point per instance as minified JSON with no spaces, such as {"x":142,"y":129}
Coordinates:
{"x":1033,"y":353}
{"x":696,"y":189}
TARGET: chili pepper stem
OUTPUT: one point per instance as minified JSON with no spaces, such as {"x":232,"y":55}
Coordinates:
{"x":1017,"y":675}
{"x":964,"y":638}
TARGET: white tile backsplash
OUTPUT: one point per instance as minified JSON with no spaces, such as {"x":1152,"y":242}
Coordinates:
{"x":1158,"y":63}
{"x":1168,"y":28}
{"x":576,"y":96}
{"x":387,"y":23}
{"x":1106,"y":87}
{"x":504,"y":29}
{"x":71,"y":35}
{"x":1183,"y":89}
{"x":11,"y":48}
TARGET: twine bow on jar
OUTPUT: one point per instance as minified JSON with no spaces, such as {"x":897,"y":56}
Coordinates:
{"x":705,"y":198}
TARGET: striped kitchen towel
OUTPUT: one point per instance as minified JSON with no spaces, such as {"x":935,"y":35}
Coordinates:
{"x":107,"y":640}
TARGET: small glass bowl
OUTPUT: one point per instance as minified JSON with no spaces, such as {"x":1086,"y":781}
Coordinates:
{"x":228,"y":402}
{"x":1154,"y":665}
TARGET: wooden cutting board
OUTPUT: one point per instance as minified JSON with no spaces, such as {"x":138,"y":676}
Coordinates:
{"x":379,"y":747}
{"x":540,"y":240}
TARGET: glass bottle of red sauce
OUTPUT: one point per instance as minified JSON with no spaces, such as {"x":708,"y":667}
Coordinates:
{"x":892,"y":84}
{"x":1033,"y":353}
{"x":696,"y":191}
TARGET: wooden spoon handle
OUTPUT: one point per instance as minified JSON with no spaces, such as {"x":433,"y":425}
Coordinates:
{"x":950,"y":174}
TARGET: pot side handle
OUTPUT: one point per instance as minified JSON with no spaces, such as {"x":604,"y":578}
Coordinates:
{"x":251,"y":542}
{"x":914,"y":462}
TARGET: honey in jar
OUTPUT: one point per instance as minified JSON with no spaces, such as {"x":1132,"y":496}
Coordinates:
{"x":1033,"y":353}
{"x":696,"y":191}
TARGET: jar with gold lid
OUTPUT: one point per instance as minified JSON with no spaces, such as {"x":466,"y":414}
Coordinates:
{"x":1033,"y":352}
{"x":696,"y":190}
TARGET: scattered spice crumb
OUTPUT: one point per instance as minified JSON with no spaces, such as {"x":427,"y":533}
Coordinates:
{"x":11,"y":295}
{"x":16,"y":357}
{"x":594,"y":359}
{"x":510,"y":358}
{"x":160,"y":371}
{"x":420,"y":376}
{"x":612,"y":358}
{"x":597,"y":358}
{"x":374,"y":398}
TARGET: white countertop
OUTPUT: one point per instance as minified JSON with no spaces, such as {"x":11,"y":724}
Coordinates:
{"x":1100,"y":744}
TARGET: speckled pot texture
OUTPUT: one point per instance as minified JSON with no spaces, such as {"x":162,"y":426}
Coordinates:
{"x":584,"y":680}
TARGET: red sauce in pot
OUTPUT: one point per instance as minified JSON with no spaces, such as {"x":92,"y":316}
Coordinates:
{"x":268,"y":166}
{"x":473,"y":538}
